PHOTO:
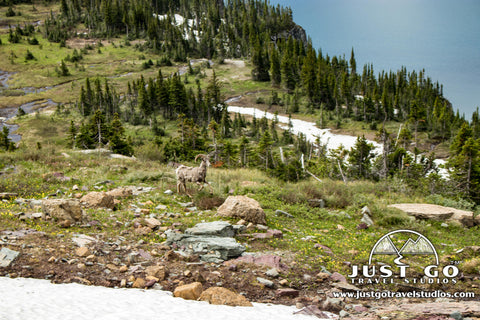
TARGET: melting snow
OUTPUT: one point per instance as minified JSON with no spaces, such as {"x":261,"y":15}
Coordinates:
{"x":41,"y":300}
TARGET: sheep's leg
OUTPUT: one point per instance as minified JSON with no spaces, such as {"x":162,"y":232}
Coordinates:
{"x":210,"y":186}
{"x":201,"y":186}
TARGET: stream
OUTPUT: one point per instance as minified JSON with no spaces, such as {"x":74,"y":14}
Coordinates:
{"x":8,"y":113}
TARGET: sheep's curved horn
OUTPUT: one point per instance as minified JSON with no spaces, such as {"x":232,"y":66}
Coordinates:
{"x":200,"y":156}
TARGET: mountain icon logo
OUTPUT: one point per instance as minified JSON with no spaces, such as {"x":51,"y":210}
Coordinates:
{"x":403,"y":242}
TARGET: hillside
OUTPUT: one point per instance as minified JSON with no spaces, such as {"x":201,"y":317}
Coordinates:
{"x":148,"y":87}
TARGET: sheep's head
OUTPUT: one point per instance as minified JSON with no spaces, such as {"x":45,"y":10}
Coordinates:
{"x":204,"y":158}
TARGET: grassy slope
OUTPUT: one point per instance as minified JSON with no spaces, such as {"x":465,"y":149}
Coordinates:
{"x":330,"y":227}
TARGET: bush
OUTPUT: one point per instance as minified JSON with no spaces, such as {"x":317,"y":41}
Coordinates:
{"x":10,"y":12}
{"x":33,"y":41}
{"x":29,"y":56}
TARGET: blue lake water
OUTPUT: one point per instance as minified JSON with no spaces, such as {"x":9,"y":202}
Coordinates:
{"x":440,"y":36}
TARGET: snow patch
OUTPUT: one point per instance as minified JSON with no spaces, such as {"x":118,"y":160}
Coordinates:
{"x":40,"y":299}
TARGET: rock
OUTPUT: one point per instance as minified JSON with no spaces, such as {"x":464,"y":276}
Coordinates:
{"x":362,"y":226}
{"x":267,"y":283}
{"x":139,"y":283}
{"x":152,"y":223}
{"x":322,"y":276}
{"x":332,"y":304}
{"x":316,"y":203}
{"x":338,"y":277}
{"x":186,"y":204}
{"x":343,"y":314}
{"x":242,"y":207}
{"x":190,"y":291}
{"x":456,"y":315}
{"x":212,"y":241}
{"x":292,"y":293}
{"x":275,"y":233}
{"x":216,"y":228}
{"x":82,"y":252}
{"x":223,"y":296}
{"x":120,"y":192}
{"x":345,"y":286}
{"x":271,"y":261}
{"x":445,"y":225}
{"x":63,"y":209}
{"x":283,"y":213}
{"x":367,"y":220}
{"x":366,"y":210}
{"x":143,"y":231}
{"x":283,"y":282}
{"x":98,"y":200}
{"x":161,"y":207}
{"x":7,"y":256}
{"x":436,"y":212}
{"x":82,"y":240}
{"x":313,"y":310}
{"x":169,"y":192}
{"x":262,"y":235}
{"x":272,"y":273}
{"x":157,"y":272}
{"x":8,"y":195}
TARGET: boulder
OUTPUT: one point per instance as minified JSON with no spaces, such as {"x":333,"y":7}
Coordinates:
{"x":436,"y":212}
{"x":216,"y":228}
{"x":242,"y":207}
{"x":223,"y":296}
{"x":225,"y":248}
{"x":7,"y":256}
{"x":120,"y":192}
{"x":158,"y":272}
{"x":63,"y":210}
{"x":98,"y":200}
{"x":190,"y":291}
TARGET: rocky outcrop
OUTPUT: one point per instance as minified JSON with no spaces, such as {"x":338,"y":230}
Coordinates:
{"x":436,"y":212}
{"x":213,"y":241}
{"x":63,"y":210}
{"x":242,"y":207}
{"x":223,"y":296}
{"x":98,"y":200}
{"x":214,"y":229}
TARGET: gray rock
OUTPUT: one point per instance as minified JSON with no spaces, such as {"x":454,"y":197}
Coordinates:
{"x":239,"y":228}
{"x":272,"y":273}
{"x":226,"y":247}
{"x":456,"y":315}
{"x":367,"y":220}
{"x":82,"y":240}
{"x":283,"y":213}
{"x":169,"y":192}
{"x":7,"y":256}
{"x":445,"y":225}
{"x":267,"y":283}
{"x":161,"y":207}
{"x":343,"y":314}
{"x":216,"y":228}
{"x":366,"y":210}
{"x":186,"y":204}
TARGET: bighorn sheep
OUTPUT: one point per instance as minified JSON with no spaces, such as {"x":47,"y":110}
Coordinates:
{"x":193,"y":174}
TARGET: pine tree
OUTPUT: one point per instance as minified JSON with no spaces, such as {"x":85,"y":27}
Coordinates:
{"x":275,"y":69}
{"x":359,"y":157}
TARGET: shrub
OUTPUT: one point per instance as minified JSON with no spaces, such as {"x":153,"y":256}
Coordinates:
{"x":29,"y":56}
